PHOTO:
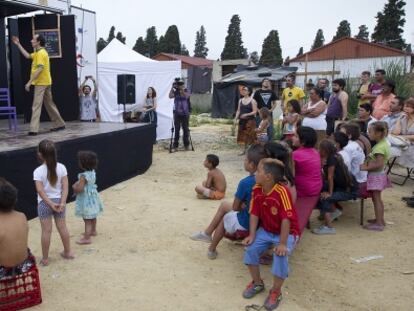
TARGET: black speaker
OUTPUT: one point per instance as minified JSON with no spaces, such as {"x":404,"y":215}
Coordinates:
{"x":126,"y":89}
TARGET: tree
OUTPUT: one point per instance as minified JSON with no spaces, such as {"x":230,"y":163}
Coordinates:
{"x":162,"y":46}
{"x":408,"y":49}
{"x":271,"y":50}
{"x":101,"y":44}
{"x":151,"y":42}
{"x":111,"y":34}
{"x":233,"y":46}
{"x":363,"y":33}
{"x":254,"y":57}
{"x":319,"y":40}
{"x":184,"y":50}
{"x":287,"y":61}
{"x":172,"y":40}
{"x":300,"y":52}
{"x":390,"y":23}
{"x":120,"y":37}
{"x":200,"y":49}
{"x":140,"y":46}
{"x":344,"y":30}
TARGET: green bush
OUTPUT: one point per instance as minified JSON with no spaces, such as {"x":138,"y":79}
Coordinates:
{"x":395,"y":72}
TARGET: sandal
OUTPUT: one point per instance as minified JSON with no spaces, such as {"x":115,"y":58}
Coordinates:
{"x":67,"y":256}
{"x":44,"y":262}
{"x":374,"y":227}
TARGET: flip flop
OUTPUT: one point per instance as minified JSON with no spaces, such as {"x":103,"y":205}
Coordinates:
{"x":374,"y":227}
{"x":64,"y":256}
{"x":83,"y":242}
{"x":44,"y":262}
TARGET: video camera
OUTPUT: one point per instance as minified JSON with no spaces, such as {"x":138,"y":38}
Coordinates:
{"x":177,"y":82}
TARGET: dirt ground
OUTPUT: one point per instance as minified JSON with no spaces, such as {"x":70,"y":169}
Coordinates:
{"x":143,"y":258}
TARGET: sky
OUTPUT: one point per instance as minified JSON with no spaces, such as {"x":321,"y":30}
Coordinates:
{"x":297,"y":21}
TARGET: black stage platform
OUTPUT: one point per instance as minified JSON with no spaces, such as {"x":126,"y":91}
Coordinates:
{"x":124,"y":150}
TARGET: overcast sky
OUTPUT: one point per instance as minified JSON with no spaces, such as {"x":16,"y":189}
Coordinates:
{"x":296,"y":20}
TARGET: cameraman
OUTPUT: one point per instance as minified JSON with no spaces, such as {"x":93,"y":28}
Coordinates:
{"x":88,"y":110}
{"x":181,"y":111}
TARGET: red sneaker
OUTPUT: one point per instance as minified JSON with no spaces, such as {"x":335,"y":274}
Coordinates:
{"x":272,"y":301}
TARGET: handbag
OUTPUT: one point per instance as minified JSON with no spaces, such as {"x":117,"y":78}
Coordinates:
{"x":398,"y":141}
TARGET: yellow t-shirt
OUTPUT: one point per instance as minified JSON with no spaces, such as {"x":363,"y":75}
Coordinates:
{"x":41,"y":58}
{"x":292,"y":93}
{"x":363,"y":89}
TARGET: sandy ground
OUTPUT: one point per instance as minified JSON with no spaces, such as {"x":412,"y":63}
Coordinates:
{"x":144,"y":260}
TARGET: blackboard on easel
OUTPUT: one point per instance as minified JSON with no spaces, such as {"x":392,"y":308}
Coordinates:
{"x":53,"y":44}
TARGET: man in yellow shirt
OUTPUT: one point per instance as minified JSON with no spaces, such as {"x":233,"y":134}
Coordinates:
{"x":42,"y":81}
{"x":291,"y":92}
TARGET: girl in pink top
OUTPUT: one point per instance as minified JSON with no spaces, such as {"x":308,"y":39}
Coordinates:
{"x":307,"y":163}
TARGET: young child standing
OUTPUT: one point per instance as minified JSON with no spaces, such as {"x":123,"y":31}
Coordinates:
{"x":14,"y":254}
{"x":262,"y":129}
{"x":271,"y":206}
{"x":377,"y":178}
{"x":291,"y":120}
{"x":88,"y":202}
{"x":214,"y":187}
{"x":51,"y":181}
{"x":339,"y":185}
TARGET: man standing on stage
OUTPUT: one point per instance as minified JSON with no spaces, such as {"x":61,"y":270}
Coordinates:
{"x":41,"y":79}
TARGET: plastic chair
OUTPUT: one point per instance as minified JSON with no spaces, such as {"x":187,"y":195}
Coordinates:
{"x":8,"y":109}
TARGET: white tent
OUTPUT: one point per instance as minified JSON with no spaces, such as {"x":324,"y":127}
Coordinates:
{"x":117,"y":59}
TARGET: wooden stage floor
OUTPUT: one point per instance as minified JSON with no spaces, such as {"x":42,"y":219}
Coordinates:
{"x":14,"y":140}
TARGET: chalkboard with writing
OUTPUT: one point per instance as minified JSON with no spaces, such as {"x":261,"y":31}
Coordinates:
{"x":52,"y":38}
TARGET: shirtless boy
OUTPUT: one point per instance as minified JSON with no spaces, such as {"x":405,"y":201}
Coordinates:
{"x":13,"y":233}
{"x":214,"y":187}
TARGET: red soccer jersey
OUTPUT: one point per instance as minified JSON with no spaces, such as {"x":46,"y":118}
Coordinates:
{"x":273,"y":207}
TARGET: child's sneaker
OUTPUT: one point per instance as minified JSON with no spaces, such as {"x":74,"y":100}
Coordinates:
{"x":324,"y":230}
{"x":201,"y":236}
{"x":212,"y":255}
{"x":252,"y":290}
{"x":272,"y":301}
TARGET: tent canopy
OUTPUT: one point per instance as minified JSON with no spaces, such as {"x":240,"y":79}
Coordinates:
{"x":226,"y":92}
{"x":118,"y":59}
{"x":117,"y":52}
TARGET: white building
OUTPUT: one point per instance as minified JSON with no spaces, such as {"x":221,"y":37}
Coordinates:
{"x":346,"y":57}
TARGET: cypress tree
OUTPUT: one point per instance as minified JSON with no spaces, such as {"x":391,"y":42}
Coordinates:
{"x":151,"y":42}
{"x":100,"y":45}
{"x":319,"y":40}
{"x":140,"y":46}
{"x":271,"y":50}
{"x":363,"y":33}
{"x":184,"y":50}
{"x":172,"y":40}
{"x":344,"y":30}
{"x":254,"y":57}
{"x":162,"y":47}
{"x":233,"y":46}
{"x":120,"y":37}
{"x":200,"y":49}
{"x":111,"y":34}
{"x":390,"y":23}
{"x":300,"y":52}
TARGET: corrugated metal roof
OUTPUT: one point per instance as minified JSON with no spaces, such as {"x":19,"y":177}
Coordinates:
{"x":346,"y":48}
{"x":256,"y":75}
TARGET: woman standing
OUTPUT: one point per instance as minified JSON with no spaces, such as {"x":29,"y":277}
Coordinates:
{"x":314,"y":114}
{"x":150,"y":107}
{"x":246,"y":112}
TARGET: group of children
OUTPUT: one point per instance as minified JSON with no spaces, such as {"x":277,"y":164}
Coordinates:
{"x":52,"y":186}
{"x":264,"y":203}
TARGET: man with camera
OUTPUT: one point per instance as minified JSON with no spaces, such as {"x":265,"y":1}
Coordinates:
{"x":181,"y":111}
{"x":88,"y":104}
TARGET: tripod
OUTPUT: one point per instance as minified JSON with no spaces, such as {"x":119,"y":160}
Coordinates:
{"x":172,"y":137}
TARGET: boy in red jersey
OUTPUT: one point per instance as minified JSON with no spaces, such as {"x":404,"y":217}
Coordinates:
{"x":271,"y":205}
